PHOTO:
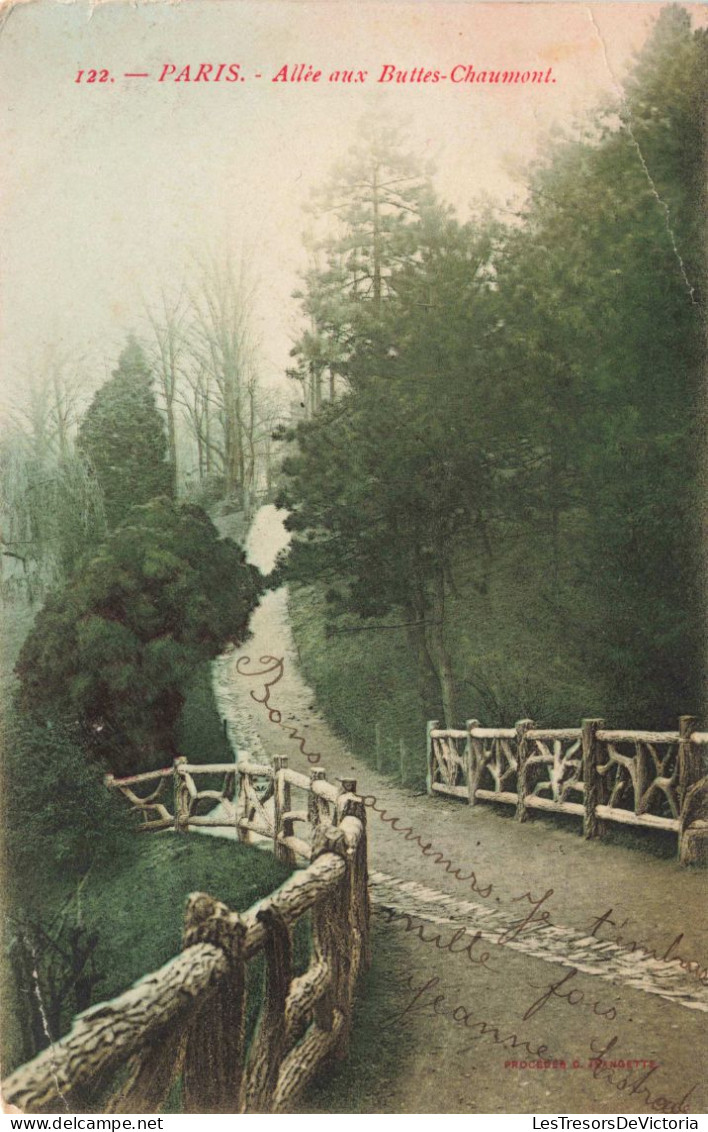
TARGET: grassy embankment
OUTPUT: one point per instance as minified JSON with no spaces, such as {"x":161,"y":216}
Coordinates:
{"x":512,"y":654}
{"x":133,"y":897}
{"x":130,"y":897}
{"x":517,"y":648}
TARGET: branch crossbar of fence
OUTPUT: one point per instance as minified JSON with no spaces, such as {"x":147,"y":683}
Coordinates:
{"x":650,"y":779}
{"x":187,"y":1020}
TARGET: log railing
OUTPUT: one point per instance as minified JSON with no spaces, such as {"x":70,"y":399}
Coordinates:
{"x":187,"y":1021}
{"x":656,"y":779}
{"x":256,"y":800}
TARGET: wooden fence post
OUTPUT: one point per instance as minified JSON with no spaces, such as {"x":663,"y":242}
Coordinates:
{"x":361,"y":887}
{"x":469,"y":760}
{"x":316,"y":807}
{"x":269,"y":1044}
{"x":150,"y":1076}
{"x":215,"y":1046}
{"x":241,"y":806}
{"x":378,"y":748}
{"x":690,"y":767}
{"x":357,"y":909}
{"x":282,"y":803}
{"x":402,"y":761}
{"x":329,"y":933}
{"x":594,"y":785}
{"x":690,"y":771}
{"x":346,"y":786}
{"x":432,"y":725}
{"x":340,"y":919}
{"x":358,"y":900}
{"x":523,"y":751}
{"x":181,"y":796}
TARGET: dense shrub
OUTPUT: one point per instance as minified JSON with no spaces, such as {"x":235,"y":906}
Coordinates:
{"x":113,"y":650}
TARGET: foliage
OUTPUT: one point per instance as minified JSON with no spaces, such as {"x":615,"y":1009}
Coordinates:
{"x":166,"y":870}
{"x":605,"y":319}
{"x":199,"y":730}
{"x":363,"y":676}
{"x":134,"y":915}
{"x":58,"y":818}
{"x":392,"y":477}
{"x":200,"y":733}
{"x":122,"y":437}
{"x":537,"y":386}
{"x":365,"y":219}
{"x":114,"y":648}
{"x":51,"y":507}
{"x":52,"y":512}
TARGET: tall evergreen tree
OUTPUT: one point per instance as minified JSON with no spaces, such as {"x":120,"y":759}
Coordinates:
{"x":123,"y":437}
{"x":602,"y":294}
{"x":366,"y":215}
{"x":398,"y":474}
{"x":546,"y":380}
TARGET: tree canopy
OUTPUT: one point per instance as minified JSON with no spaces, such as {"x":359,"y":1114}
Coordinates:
{"x":534,"y":385}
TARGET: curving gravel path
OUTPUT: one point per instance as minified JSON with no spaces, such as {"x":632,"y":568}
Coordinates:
{"x":532,"y":908}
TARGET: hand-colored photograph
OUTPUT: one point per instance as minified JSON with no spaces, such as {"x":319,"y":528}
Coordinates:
{"x":353,"y":496}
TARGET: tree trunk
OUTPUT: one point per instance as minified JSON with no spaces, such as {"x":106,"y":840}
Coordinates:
{"x":207,"y":430}
{"x":439,"y":651}
{"x":377,"y":256}
{"x":200,"y":450}
{"x":171,"y":439}
{"x":268,"y":459}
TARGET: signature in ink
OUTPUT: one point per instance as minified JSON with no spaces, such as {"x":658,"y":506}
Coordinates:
{"x":604,"y":1070}
{"x":424,"y":999}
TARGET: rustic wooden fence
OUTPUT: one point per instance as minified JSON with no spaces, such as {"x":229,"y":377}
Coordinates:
{"x":655,"y":779}
{"x":255,"y":800}
{"x":187,"y":1020}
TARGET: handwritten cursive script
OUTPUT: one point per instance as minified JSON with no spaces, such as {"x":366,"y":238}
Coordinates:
{"x":275,"y":664}
{"x":537,"y":916}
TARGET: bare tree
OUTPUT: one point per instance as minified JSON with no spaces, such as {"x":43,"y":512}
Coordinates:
{"x":194,"y":398}
{"x":223,"y":370}
{"x":168,"y":357}
{"x":51,"y":391}
{"x":266,"y":412}
{"x":50,"y":505}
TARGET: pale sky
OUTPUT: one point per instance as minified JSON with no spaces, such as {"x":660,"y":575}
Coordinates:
{"x":108,"y":190}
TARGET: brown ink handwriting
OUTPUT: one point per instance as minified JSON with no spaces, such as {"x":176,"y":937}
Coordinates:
{"x":603,"y":1072}
{"x":417,"y":929}
{"x":691,"y":966}
{"x":275,"y":664}
{"x":536,"y":916}
{"x":422,"y":1001}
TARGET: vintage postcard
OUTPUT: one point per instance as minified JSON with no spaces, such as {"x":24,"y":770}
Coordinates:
{"x":355,"y":747}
